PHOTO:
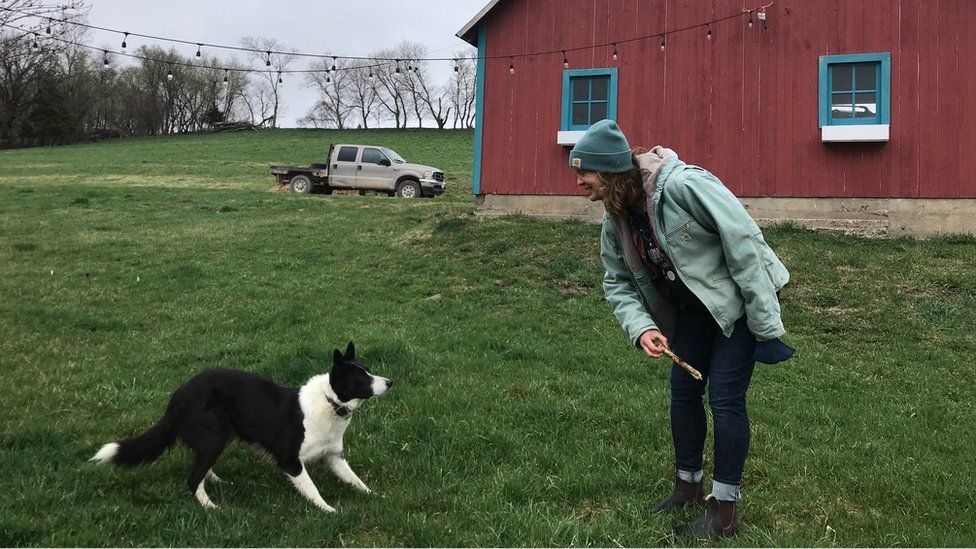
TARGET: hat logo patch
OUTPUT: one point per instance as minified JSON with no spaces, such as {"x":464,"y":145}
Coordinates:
{"x":576,"y":163}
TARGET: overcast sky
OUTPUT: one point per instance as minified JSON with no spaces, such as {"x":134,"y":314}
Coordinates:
{"x":353,"y":27}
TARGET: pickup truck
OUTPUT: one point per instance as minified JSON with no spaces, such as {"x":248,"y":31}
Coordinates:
{"x":363,"y":168}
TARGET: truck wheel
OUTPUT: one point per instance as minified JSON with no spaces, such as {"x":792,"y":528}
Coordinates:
{"x":301,"y":184}
{"x":408,"y":188}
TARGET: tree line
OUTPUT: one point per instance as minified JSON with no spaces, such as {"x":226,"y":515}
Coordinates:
{"x":53,"y":92}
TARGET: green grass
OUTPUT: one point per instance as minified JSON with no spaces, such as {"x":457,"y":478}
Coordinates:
{"x":520,"y":417}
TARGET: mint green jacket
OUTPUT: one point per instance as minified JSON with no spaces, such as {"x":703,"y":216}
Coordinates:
{"x":716,"y":248}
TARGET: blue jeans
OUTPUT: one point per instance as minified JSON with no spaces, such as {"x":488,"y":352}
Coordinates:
{"x":726,"y":365}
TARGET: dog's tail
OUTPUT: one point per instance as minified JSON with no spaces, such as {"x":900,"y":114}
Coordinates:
{"x":144,"y":448}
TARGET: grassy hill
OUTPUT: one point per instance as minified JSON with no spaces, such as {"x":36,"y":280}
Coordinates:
{"x":521,"y":415}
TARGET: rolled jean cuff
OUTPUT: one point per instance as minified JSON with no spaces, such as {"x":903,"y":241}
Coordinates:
{"x":693,"y":477}
{"x":725,"y":492}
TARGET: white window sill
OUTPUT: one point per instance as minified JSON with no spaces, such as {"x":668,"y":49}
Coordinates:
{"x":854,"y":133}
{"x":568,"y":138}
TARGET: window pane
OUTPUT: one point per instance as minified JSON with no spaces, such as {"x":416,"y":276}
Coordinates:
{"x":840,"y":77}
{"x":866,"y":105}
{"x":864,"y":77}
{"x":581,"y":89}
{"x":840,"y":105}
{"x":372,"y":156}
{"x":598,"y":111}
{"x":601,"y":87}
{"x":347,"y":154}
{"x":580,"y":114}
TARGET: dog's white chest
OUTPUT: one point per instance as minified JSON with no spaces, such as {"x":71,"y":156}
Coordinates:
{"x":322,"y":438}
{"x":323,"y":428}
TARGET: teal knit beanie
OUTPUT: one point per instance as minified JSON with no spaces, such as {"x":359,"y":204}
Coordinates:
{"x":603,"y":148}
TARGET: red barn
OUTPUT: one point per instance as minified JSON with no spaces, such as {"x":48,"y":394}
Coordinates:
{"x":844,"y":114}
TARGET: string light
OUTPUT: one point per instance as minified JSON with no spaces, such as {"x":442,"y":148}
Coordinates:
{"x":169,"y":74}
{"x":280,"y":81}
{"x":751,"y":14}
{"x":411,"y":65}
{"x":105,"y":59}
{"x":225,"y":76}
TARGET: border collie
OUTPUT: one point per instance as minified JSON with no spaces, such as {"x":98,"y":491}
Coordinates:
{"x":293,"y":424}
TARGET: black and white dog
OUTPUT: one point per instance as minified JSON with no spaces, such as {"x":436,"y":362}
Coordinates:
{"x":293,"y":424}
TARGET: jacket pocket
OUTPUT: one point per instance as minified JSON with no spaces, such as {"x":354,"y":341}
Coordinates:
{"x":684,"y":225}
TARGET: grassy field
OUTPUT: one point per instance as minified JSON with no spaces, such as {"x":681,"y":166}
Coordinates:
{"x":521,"y":416}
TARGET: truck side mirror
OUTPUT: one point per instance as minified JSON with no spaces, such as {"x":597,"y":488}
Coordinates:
{"x":385,"y":162}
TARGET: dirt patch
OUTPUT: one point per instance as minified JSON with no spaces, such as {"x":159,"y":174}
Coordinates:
{"x":286,"y":188}
{"x":567,"y":289}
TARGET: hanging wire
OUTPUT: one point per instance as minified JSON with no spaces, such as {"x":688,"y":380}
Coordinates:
{"x":126,"y":34}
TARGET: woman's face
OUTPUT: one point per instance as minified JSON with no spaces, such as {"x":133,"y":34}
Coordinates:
{"x":592,"y":184}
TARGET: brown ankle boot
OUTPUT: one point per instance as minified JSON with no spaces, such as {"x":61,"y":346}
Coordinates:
{"x":683,"y":495}
{"x":719,"y":520}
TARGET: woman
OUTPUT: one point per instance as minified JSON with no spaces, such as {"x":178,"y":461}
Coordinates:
{"x":686,"y":264}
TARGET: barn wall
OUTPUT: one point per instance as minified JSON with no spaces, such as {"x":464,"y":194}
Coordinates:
{"x":743,"y":104}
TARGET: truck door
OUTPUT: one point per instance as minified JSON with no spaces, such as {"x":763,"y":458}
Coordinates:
{"x":375,"y":171}
{"x":342,"y":172}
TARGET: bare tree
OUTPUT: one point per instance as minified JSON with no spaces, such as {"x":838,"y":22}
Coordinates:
{"x":40,"y":16}
{"x":428,"y":98}
{"x":362,"y":95}
{"x":333,"y":86}
{"x":30,"y":73}
{"x":462,"y":89}
{"x":266,"y":83}
{"x":389,"y":86}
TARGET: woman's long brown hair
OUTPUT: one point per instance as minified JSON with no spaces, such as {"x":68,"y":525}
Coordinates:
{"x":624,"y":191}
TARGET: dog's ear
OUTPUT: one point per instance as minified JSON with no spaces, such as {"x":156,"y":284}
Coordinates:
{"x":350,"y":351}
{"x":337,"y":358}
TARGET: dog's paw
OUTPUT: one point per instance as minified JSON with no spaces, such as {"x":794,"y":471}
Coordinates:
{"x":327,"y":508}
{"x":362,"y":488}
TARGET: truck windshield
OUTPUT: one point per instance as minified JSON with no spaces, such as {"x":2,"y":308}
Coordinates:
{"x":394,"y":156}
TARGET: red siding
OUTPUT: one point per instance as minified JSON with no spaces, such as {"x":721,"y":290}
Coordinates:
{"x":744,"y":104}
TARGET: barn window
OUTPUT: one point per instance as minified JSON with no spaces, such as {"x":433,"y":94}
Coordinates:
{"x":855,"y":97}
{"x":588,"y":96}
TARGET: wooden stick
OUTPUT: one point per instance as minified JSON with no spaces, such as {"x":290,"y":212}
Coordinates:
{"x":694,"y":373}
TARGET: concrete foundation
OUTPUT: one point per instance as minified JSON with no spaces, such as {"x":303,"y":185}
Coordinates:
{"x":870,"y":217}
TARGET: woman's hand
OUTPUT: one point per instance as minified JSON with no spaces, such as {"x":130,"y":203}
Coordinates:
{"x":653,"y":343}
